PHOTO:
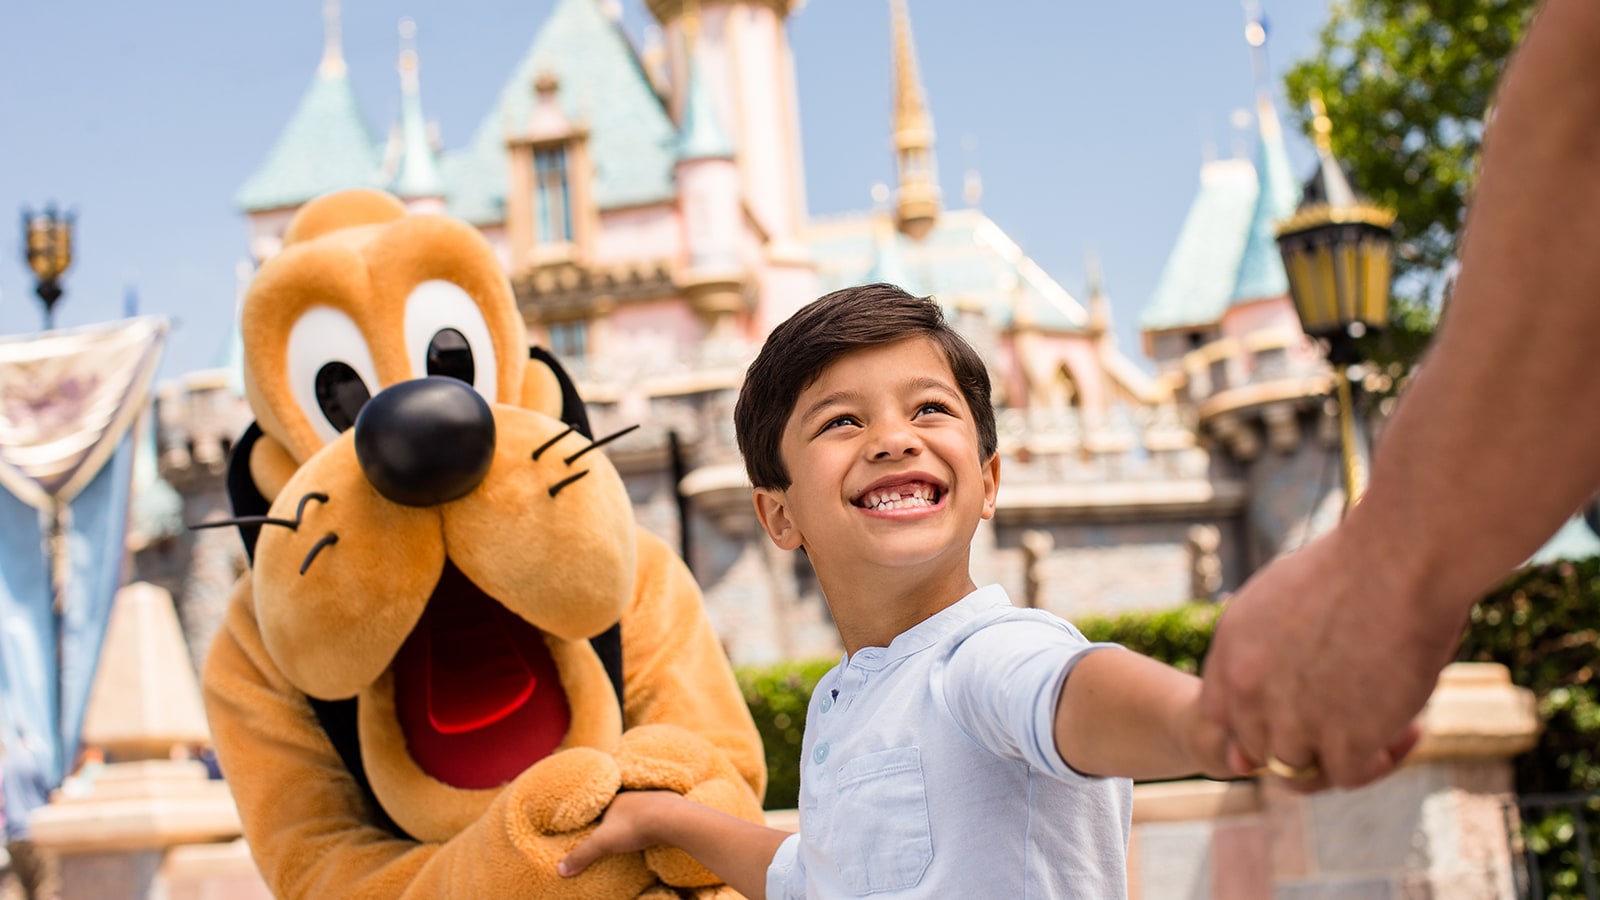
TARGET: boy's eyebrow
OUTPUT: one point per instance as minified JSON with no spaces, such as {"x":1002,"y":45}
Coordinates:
{"x":826,"y":401}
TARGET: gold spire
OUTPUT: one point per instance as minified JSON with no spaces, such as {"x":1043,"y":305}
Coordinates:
{"x":911,"y":124}
{"x":691,"y":21}
{"x":332,"y":49}
{"x":667,"y":11}
{"x":917,"y":206}
{"x":1321,"y":125}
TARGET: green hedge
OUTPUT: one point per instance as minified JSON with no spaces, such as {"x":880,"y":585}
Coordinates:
{"x":777,"y":697}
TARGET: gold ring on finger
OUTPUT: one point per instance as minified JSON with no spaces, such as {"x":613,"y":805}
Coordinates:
{"x":1293,"y":773}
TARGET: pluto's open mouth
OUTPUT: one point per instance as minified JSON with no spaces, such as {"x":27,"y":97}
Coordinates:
{"x":475,"y":689}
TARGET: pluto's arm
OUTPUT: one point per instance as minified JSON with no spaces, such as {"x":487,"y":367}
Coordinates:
{"x":314,"y":833}
{"x":675,"y":670}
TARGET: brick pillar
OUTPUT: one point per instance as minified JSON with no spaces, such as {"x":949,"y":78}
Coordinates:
{"x":1436,"y":828}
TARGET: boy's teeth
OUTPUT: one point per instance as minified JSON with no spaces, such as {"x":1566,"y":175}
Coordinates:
{"x":900,"y":497}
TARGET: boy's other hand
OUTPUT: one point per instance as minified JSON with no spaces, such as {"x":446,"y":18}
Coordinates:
{"x":628,"y":825}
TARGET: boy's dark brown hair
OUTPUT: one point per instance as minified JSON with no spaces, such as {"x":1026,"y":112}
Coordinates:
{"x":798,"y":350}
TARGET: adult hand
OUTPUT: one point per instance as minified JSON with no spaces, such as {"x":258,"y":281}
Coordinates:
{"x":1324,"y":658}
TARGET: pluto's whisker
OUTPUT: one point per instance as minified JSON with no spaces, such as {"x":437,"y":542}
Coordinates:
{"x":556,"y":488}
{"x":600,"y":443}
{"x":292,"y":525}
{"x":327,"y":540}
{"x":550,"y":443}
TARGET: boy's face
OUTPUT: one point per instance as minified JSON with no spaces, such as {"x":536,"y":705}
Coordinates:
{"x":878,"y":423}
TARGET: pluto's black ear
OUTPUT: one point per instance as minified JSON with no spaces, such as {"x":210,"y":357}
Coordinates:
{"x":572,"y":411}
{"x":607,"y":644}
{"x":242,"y":493}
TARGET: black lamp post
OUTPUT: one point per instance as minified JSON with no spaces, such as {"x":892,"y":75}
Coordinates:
{"x":47,"y":246}
{"x":1336,"y":250}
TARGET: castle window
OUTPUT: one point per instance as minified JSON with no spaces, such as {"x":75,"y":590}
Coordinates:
{"x":569,"y":340}
{"x":553,"y":203}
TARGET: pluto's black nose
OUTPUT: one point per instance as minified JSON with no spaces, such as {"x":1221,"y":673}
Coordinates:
{"x":425,"y":442}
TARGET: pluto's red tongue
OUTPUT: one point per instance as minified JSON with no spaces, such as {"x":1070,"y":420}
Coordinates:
{"x":474,"y":672}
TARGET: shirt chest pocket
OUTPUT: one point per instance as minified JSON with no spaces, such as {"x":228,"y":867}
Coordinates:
{"x":881,"y":839}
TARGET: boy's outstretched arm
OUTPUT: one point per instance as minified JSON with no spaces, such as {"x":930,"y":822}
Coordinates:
{"x":1126,"y":715}
{"x":737,"y":851}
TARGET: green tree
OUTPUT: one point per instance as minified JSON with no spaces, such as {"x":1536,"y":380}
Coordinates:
{"x":1408,"y":84}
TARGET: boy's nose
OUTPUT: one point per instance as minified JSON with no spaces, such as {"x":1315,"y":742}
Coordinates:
{"x":894,"y":442}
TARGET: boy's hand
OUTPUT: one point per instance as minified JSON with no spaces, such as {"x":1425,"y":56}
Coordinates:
{"x":628,"y":825}
{"x":1207,"y":743}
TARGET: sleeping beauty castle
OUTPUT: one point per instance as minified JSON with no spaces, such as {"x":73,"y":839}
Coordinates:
{"x":648,"y":206}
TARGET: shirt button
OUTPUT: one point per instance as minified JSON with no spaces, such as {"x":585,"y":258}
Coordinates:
{"x":827,"y":703}
{"x":820,"y":754}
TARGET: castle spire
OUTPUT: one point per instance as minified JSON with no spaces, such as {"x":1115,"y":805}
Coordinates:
{"x":332,"y":43}
{"x":1255,"y":34}
{"x":418,"y":172}
{"x":1260,"y":274}
{"x":325,"y":145}
{"x":1099,"y":303}
{"x":917,"y":205}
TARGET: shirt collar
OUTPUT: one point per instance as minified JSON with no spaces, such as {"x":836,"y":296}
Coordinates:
{"x":931,"y":630}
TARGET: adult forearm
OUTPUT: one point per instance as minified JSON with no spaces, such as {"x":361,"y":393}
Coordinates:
{"x":1496,"y":441}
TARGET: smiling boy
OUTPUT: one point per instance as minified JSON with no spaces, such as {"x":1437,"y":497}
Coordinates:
{"x":963,"y":747}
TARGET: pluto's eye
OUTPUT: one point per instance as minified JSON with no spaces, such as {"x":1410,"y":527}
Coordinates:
{"x":331,"y":374}
{"x":340,"y":394}
{"x":446,"y":335}
{"x":450,"y":355}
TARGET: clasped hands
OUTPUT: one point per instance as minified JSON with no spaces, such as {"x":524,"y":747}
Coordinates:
{"x":1319,"y":667}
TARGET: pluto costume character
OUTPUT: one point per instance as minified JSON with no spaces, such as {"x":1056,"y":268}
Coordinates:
{"x":454,"y":645}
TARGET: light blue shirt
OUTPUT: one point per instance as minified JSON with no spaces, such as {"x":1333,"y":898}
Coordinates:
{"x":930,"y":769}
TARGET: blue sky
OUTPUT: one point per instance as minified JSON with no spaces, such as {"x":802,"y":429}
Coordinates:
{"x":1088,"y":123}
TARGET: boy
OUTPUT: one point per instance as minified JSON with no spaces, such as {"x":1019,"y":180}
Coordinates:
{"x":963,"y":747}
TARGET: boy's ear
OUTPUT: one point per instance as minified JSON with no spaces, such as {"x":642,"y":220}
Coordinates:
{"x":772,"y":508}
{"x":991,"y":485}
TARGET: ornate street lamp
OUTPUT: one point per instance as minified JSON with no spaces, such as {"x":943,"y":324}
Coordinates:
{"x":47,"y":246}
{"x":1336,"y":250}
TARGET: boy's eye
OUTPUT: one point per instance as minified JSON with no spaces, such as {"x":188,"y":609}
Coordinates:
{"x":836,"y":421}
{"x":933,"y":406}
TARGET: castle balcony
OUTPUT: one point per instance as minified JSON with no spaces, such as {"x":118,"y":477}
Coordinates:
{"x":198,"y":419}
{"x":1264,"y":390}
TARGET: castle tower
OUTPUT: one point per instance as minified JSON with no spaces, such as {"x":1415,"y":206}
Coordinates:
{"x":416,"y":168}
{"x":741,"y":50}
{"x":917,"y":201}
{"x":713,"y":277}
{"x":325,"y":146}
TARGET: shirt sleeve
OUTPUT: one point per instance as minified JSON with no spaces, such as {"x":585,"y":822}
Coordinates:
{"x":1003,"y":682}
{"x":786,"y":874}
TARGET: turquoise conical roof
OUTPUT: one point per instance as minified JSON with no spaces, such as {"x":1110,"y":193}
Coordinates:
{"x":1261,"y":268}
{"x":603,"y":85}
{"x":325,"y":147}
{"x":1197,"y":283}
{"x":701,"y":136}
